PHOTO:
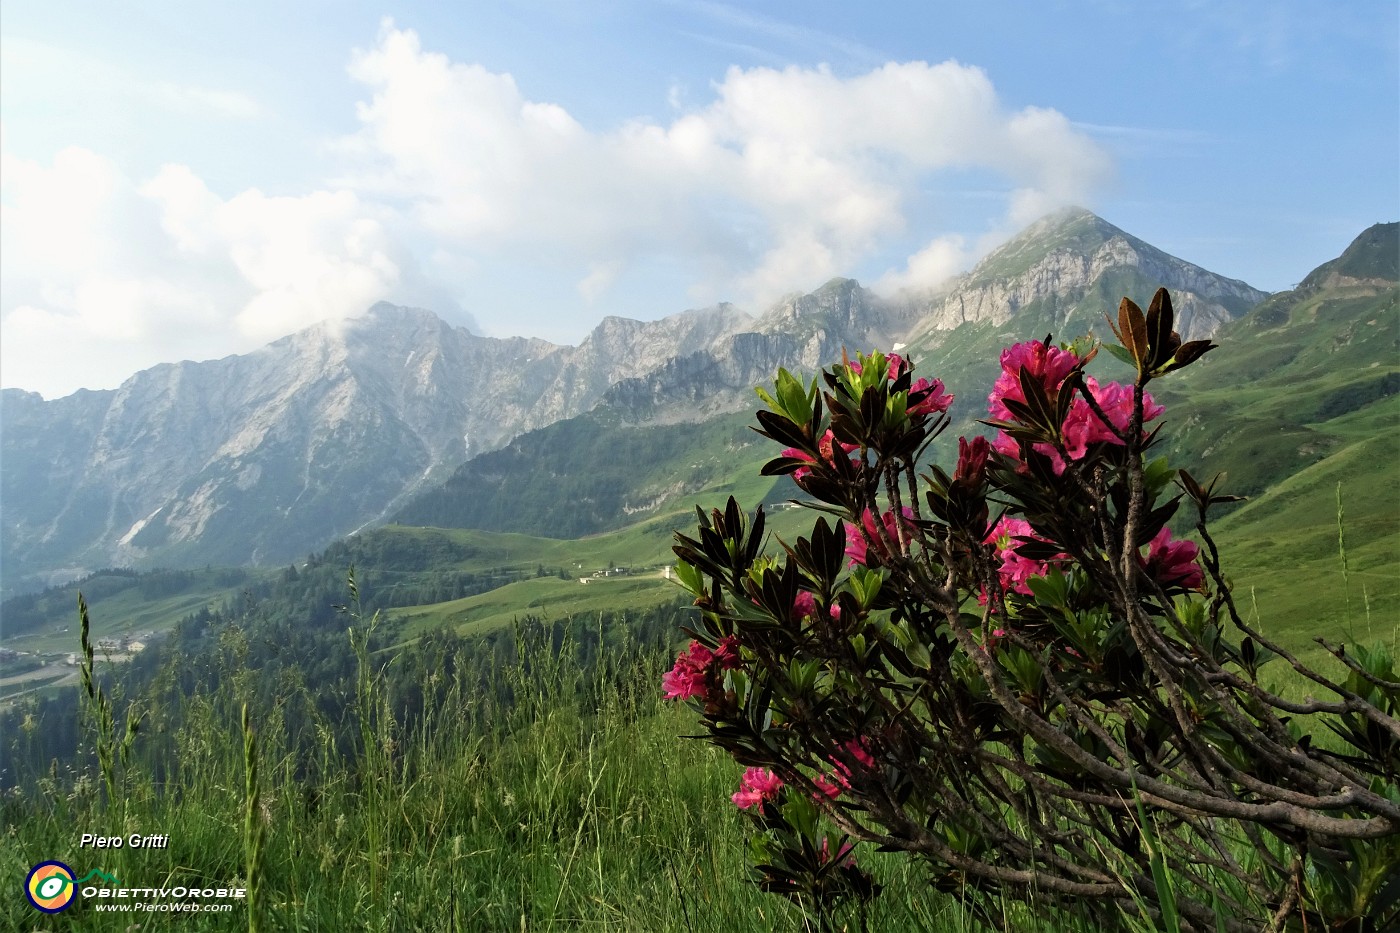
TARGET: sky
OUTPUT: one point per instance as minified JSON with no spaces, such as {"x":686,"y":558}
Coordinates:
{"x":194,"y":180}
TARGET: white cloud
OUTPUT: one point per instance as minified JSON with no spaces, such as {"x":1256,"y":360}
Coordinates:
{"x":102,"y":276}
{"x":781,"y":180}
{"x":785,"y":178}
{"x":599,"y":279}
{"x":943,"y":258}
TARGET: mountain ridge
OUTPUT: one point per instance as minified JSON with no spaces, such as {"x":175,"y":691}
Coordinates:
{"x":1064,"y":253}
{"x":501,"y":492}
{"x":261,"y":457}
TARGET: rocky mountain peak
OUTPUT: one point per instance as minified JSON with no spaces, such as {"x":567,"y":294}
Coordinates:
{"x":1072,"y":259}
{"x":1372,"y":259}
{"x":262,"y":457}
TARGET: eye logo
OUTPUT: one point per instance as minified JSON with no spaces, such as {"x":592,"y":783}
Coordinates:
{"x":50,"y":887}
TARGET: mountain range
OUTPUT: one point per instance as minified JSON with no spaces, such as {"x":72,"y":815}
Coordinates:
{"x":260,"y":458}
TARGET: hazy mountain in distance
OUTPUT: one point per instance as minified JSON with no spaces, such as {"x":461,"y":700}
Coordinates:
{"x":263,"y":457}
{"x":1067,"y":263}
{"x":567,"y":476}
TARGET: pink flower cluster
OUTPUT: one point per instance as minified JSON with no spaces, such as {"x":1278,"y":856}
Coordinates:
{"x":860,"y":553}
{"x":926,"y":396}
{"x":757,"y":787}
{"x":972,"y":460}
{"x":1049,"y":366}
{"x":1015,"y":569}
{"x":841,"y":774}
{"x":827,"y":447}
{"x":697,"y":669}
{"x":804,"y":608}
{"x":1173,"y":563}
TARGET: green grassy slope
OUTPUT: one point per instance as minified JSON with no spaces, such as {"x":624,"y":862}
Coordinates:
{"x":1300,"y":397}
{"x":594,"y":473}
{"x":122,"y":604}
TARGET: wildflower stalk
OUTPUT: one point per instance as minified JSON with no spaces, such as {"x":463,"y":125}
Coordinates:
{"x":99,"y":707}
{"x":1342,"y":553}
{"x":372,"y":720}
{"x":254,"y":830}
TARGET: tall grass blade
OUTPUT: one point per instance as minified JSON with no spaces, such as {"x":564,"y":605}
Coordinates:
{"x":1161,"y":877}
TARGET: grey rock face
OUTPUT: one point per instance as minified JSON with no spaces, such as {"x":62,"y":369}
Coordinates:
{"x":1064,"y":256}
{"x":801,"y":333}
{"x":263,"y":457}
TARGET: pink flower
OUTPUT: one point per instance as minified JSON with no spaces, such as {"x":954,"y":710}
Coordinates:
{"x":1173,"y":563}
{"x":829,"y":445}
{"x":860,"y":751}
{"x":1083,"y":426}
{"x":997,"y":634}
{"x":825,"y":787}
{"x":1015,"y":569}
{"x":758,"y":786}
{"x":727,"y":654}
{"x":804,"y":607}
{"x":1048,"y":365}
{"x":927,"y":397}
{"x":687,"y":678}
{"x":856,"y":548}
{"x":843,"y":855}
{"x":800,"y":473}
{"x":691,"y":677}
{"x":897,"y":366}
{"x":972,"y":460}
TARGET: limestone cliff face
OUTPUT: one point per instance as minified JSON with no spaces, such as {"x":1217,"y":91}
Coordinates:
{"x":801,"y":333}
{"x":619,"y":349}
{"x":1064,"y":256}
{"x":263,"y":457}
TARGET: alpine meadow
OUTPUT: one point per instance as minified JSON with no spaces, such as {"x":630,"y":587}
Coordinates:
{"x":463,"y":725}
{"x":382,"y":547}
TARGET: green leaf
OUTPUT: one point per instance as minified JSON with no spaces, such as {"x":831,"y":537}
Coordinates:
{"x":803,"y":674}
{"x":1161,"y":878}
{"x":1120,"y":352}
{"x":689,"y":577}
{"x":1132,"y":328}
{"x":796,"y":399}
{"x":1165,"y":341}
{"x":1051,"y":590}
{"x":918,"y":654}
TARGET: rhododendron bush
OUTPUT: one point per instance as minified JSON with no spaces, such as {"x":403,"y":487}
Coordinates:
{"x":1020,"y":674}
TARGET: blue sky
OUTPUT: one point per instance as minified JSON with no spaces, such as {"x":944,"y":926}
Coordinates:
{"x":193,"y":180}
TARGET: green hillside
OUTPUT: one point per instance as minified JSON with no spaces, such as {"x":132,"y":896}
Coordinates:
{"x":125,"y":604}
{"x":1298,"y":380}
{"x":595,"y":473}
{"x":1300,"y":397}
{"x":499,"y":733}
